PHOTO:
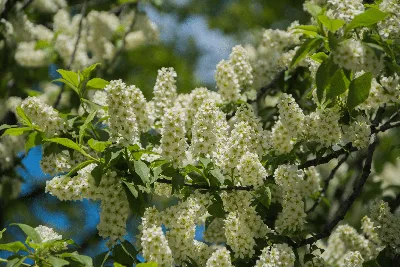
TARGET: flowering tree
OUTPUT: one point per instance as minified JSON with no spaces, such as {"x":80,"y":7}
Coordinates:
{"x":259,"y":161}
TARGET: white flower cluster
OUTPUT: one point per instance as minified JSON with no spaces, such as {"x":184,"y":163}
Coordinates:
{"x":221,"y":257}
{"x":266,"y":58}
{"x":234,"y":74}
{"x":359,"y":132}
{"x":290,"y":115}
{"x":114,"y":204}
{"x":173,"y":140}
{"x":294,"y":188}
{"x":354,"y":55}
{"x":47,"y":234}
{"x":56,"y":163}
{"x":345,"y":239}
{"x":9,"y":147}
{"x":100,"y":32}
{"x":43,"y":115}
{"x":388,"y":27}
{"x":209,"y":131}
{"x":164,"y":91}
{"x":251,"y":171}
{"x":48,"y":6}
{"x":352,"y":259}
{"x":122,"y":112}
{"x":278,"y":255}
{"x":323,"y":126}
{"x":387,"y":224}
{"x":153,"y":242}
{"x":27,"y":56}
{"x":343,"y":9}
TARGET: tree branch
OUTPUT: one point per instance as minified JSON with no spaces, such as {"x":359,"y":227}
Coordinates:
{"x":326,"y":183}
{"x":206,"y":187}
{"x":344,"y":208}
{"x":71,"y":60}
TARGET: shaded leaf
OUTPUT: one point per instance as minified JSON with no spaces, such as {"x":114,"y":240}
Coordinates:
{"x":29,"y":231}
{"x":368,"y":18}
{"x":142,"y":170}
{"x":57,"y":262}
{"x":70,"y":144}
{"x":13,"y":247}
{"x":304,"y":49}
{"x":85,"y":125}
{"x":359,"y":90}
{"x":331,"y":24}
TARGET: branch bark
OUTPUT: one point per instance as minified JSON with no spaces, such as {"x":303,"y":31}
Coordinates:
{"x":344,"y":208}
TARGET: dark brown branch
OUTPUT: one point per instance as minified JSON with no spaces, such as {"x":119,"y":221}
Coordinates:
{"x":344,"y":208}
{"x":72,"y":59}
{"x":265,"y":89}
{"x":206,"y":187}
{"x":326,"y":183}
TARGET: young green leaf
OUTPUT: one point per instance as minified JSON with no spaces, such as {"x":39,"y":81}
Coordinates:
{"x":313,"y":9}
{"x":99,"y":146}
{"x":324,"y":76}
{"x":29,"y":231}
{"x":131,"y":188}
{"x":147,"y":264}
{"x":96,"y":83}
{"x":7,"y":126}
{"x":22,"y":115}
{"x":16,"y":131}
{"x":72,"y":86}
{"x":82,"y":259}
{"x":70,"y":144}
{"x":17,"y":261}
{"x":338,"y":85}
{"x":359,"y":90}
{"x":85,"y":125}
{"x":331,"y":24}
{"x":34,"y":139}
{"x":304,"y":49}
{"x":319,"y":57}
{"x":1,"y":233}
{"x":70,"y":76}
{"x":13,"y":247}
{"x":57,"y":262}
{"x":79,"y":167}
{"x":142,"y":170}
{"x":370,"y":17}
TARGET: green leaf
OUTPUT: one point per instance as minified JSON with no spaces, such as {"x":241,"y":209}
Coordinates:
{"x":123,"y":256}
{"x":97,"y":83}
{"x":20,"y":112}
{"x":131,"y":188}
{"x":368,"y":18}
{"x":304,"y":49}
{"x":85,"y":260}
{"x":147,"y":264}
{"x":331,"y":24}
{"x":177,"y":179}
{"x":13,"y":247}
{"x":73,"y":87}
{"x":309,"y":30}
{"x":263,"y":195}
{"x":70,"y":76}
{"x":16,"y":262}
{"x":97,"y":174}
{"x":34,"y":139}
{"x":313,"y":9}
{"x":142,"y":170}
{"x":319,"y":57}
{"x":29,"y":231}
{"x":42,"y":44}
{"x":371,"y":263}
{"x":216,"y":209}
{"x":116,"y":264}
{"x":57,"y":262}
{"x":80,"y":166}
{"x":338,"y":85}
{"x":70,"y":144}
{"x":323,"y":77}
{"x":99,"y":146}
{"x":6,"y":126}
{"x":1,"y":233}
{"x":359,"y":90}
{"x":85,"y":125}
{"x":88,"y":71}
{"x":16,"y":131}
{"x":216,"y":173}
{"x":101,"y":259}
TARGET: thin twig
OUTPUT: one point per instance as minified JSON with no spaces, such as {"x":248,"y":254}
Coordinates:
{"x":72,"y":58}
{"x":344,"y":208}
{"x":122,"y":47}
{"x":326,"y":183}
{"x":26,"y":4}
